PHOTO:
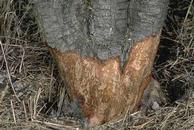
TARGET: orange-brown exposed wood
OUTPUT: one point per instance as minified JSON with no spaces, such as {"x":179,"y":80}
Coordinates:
{"x":103,"y":90}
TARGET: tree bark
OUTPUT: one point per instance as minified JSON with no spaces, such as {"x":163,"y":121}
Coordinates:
{"x":104,"y":50}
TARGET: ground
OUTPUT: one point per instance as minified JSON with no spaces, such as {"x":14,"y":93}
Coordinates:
{"x":30,"y":87}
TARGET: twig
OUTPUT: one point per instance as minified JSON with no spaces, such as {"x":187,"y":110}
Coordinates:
{"x":26,"y":47}
{"x":16,"y":39}
{"x":13,"y":112}
{"x":30,"y":108}
{"x":58,"y":126}
{"x":36,"y":102}
{"x":25,"y":112}
{"x":187,"y":14}
{"x":142,"y":125}
{"x":22,"y":60}
{"x":167,"y":118}
{"x":8,"y":73}
{"x":41,"y":109}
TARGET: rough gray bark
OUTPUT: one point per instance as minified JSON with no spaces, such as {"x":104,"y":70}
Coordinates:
{"x":99,"y":28}
{"x":146,"y":17}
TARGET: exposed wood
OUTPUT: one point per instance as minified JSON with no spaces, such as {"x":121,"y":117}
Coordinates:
{"x":103,"y":91}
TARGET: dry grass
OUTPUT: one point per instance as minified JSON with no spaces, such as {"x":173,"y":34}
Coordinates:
{"x":174,"y":66}
{"x":29,"y":84}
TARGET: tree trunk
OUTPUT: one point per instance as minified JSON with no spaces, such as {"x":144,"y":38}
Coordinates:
{"x":104,"y":49}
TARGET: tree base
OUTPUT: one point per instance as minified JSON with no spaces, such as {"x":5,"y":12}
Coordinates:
{"x":103,"y":90}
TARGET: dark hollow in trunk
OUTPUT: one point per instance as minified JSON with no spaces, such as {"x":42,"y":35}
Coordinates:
{"x":104,"y":50}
